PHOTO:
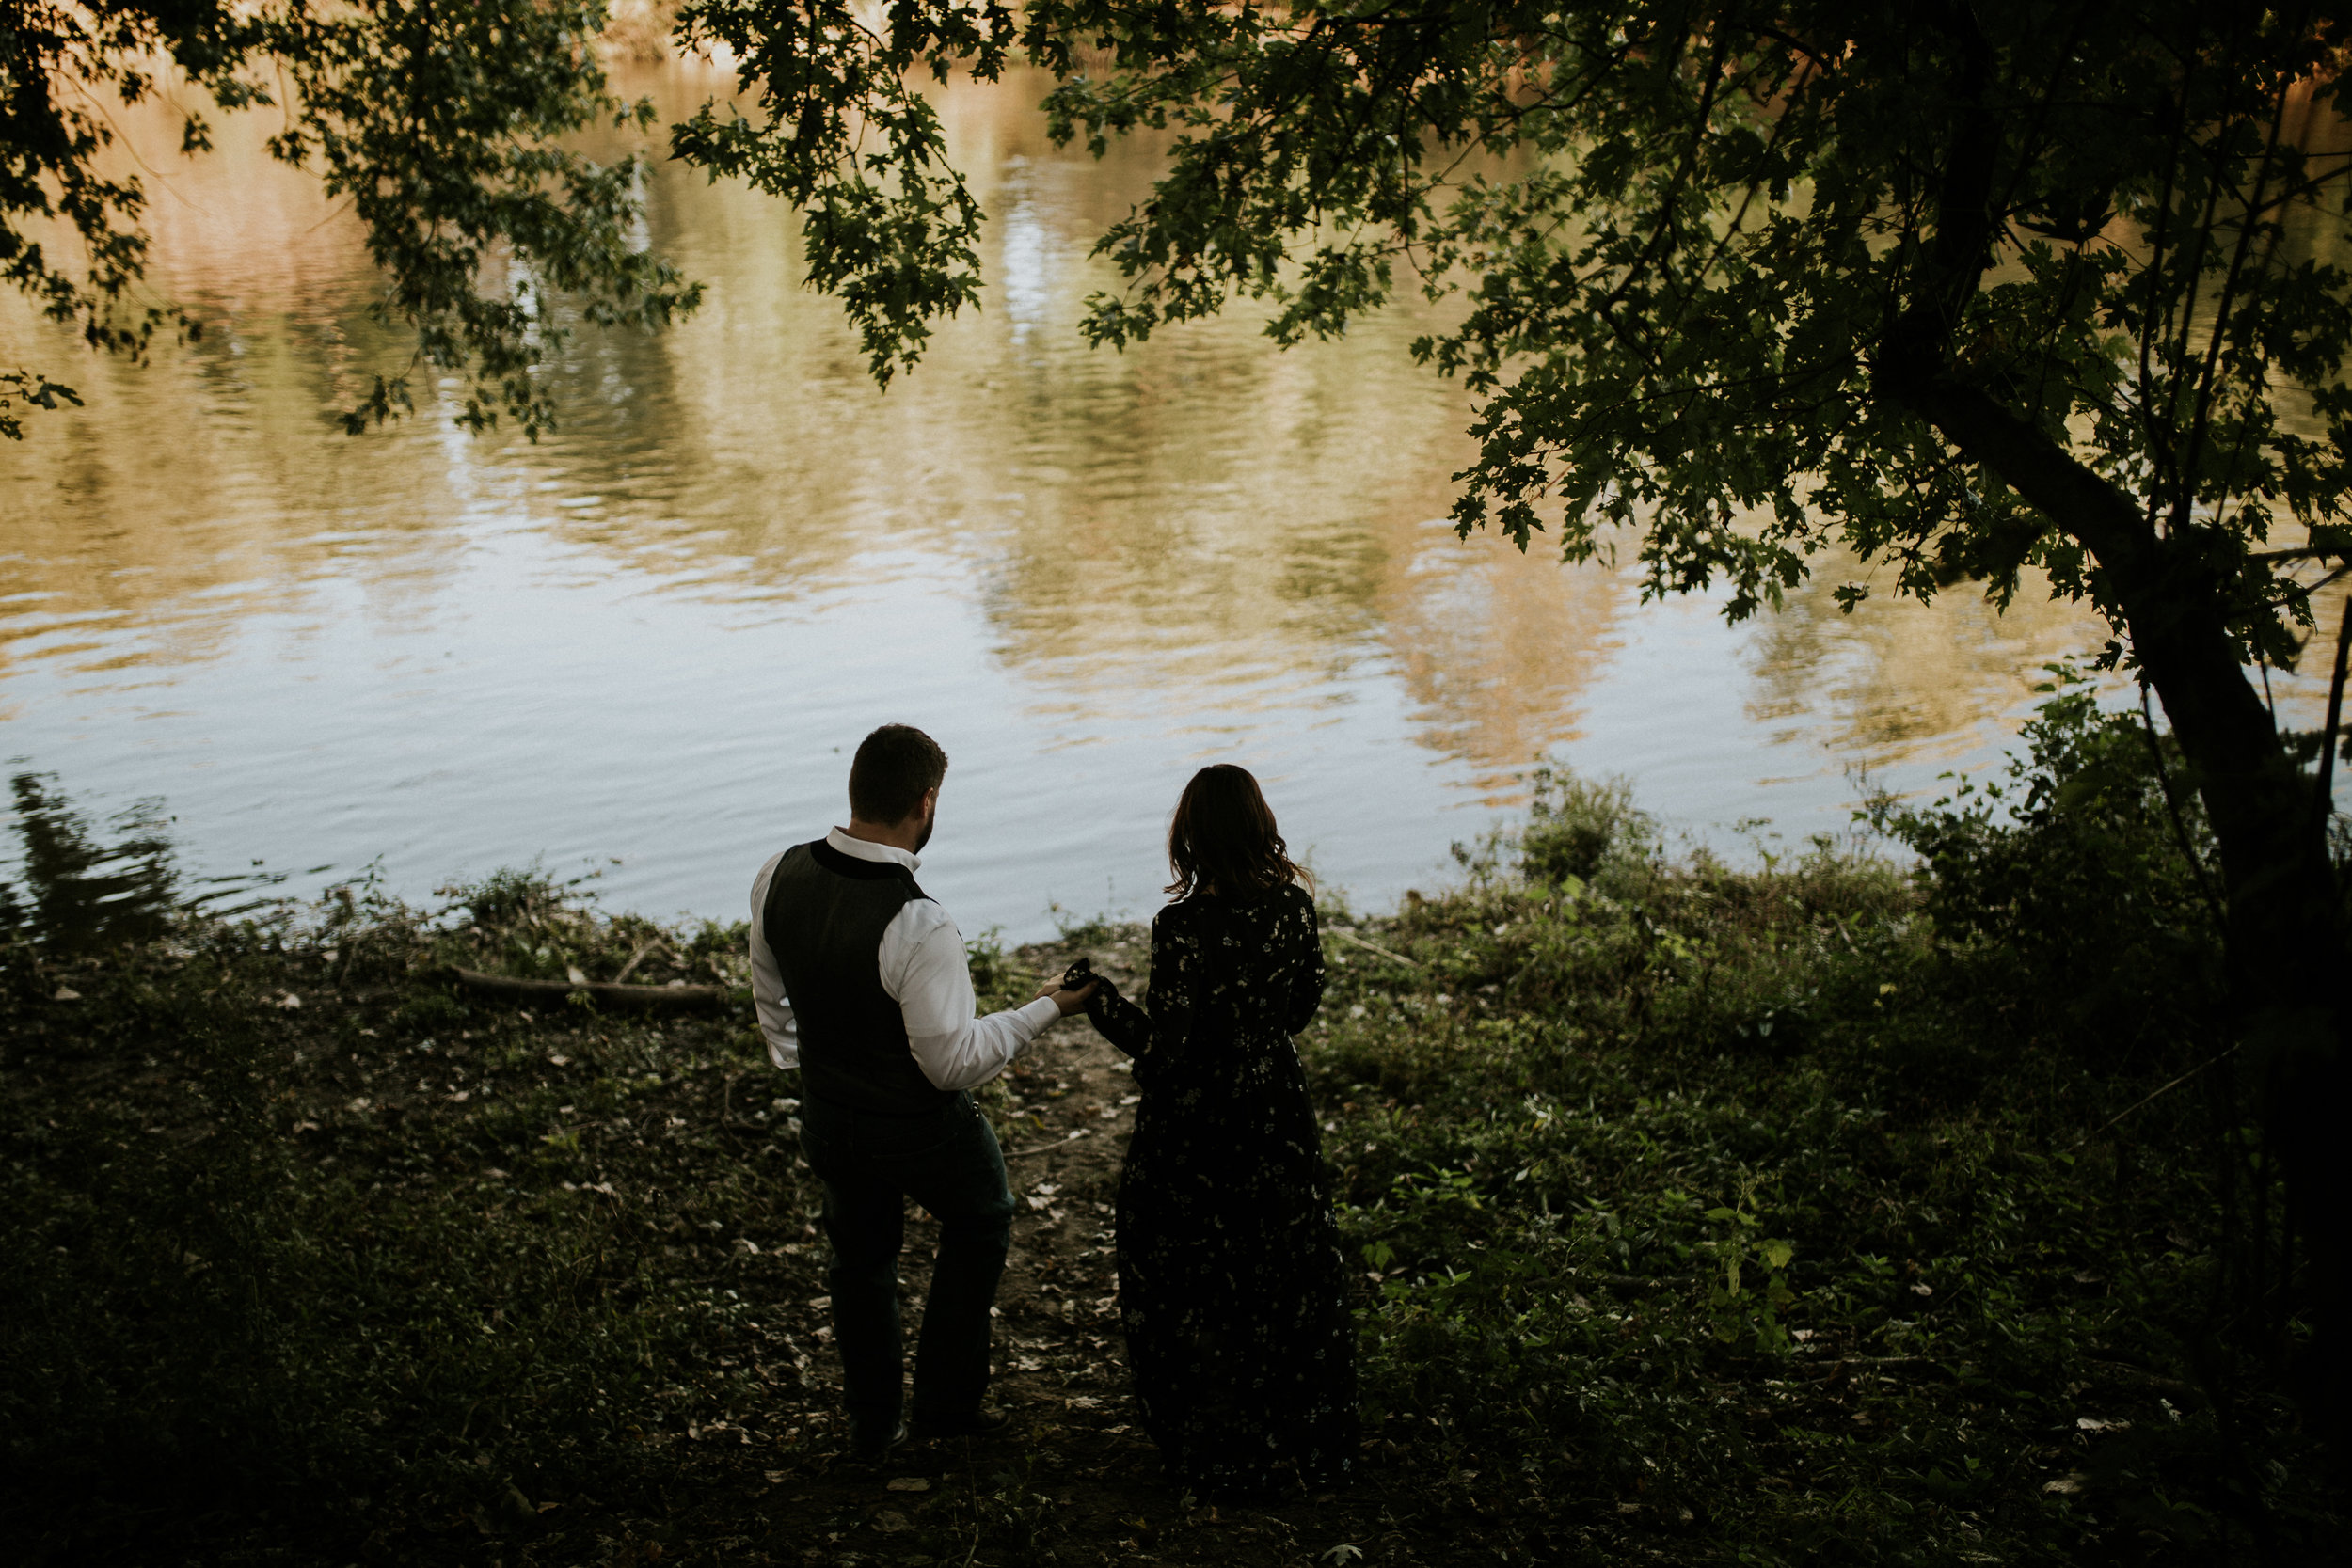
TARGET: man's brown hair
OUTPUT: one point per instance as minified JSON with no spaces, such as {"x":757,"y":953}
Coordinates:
{"x":1223,"y":839}
{"x":893,"y":769}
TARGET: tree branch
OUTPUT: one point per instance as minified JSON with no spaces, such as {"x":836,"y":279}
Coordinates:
{"x":2029,"y":462}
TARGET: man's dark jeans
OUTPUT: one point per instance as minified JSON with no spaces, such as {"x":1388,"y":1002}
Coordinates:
{"x":948,"y":1161}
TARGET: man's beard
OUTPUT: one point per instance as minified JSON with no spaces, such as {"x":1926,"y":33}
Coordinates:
{"x":925,"y":836}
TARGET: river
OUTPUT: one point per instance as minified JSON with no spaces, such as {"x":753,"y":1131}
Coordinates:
{"x":645,"y":646}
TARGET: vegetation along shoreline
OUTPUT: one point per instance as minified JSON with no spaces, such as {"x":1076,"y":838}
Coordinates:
{"x":1830,"y":1211}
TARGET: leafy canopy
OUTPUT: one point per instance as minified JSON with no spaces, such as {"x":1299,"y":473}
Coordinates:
{"x":1963,"y":287}
{"x":1740,"y":280}
{"x":444,"y":126}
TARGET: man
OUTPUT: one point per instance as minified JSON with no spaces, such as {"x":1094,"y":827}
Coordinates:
{"x":861,"y":982}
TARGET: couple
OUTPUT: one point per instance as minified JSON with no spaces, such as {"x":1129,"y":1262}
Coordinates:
{"x":1231,"y":1288}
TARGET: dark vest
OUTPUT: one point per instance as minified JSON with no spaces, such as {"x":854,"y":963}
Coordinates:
{"x":824,"y":919}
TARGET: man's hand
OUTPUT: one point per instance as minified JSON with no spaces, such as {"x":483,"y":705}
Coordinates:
{"x":1067,"y":999}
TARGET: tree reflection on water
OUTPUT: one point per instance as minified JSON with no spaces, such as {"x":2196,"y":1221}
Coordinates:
{"x":81,"y":888}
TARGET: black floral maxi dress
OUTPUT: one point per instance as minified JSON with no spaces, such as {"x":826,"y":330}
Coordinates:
{"x":1230,"y":1287}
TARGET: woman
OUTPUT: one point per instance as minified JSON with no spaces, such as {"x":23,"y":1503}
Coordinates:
{"x":1231,"y":1288}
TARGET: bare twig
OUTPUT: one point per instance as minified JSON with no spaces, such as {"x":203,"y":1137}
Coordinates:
{"x":637,"y":957}
{"x":1376,"y":947}
{"x":2151,"y":1095}
{"x":1063,"y":1142}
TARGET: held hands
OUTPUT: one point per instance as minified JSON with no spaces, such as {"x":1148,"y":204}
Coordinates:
{"x":1076,"y":989}
{"x":1068,"y":1000}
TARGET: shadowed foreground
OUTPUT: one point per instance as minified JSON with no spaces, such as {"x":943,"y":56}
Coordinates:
{"x":1699,"y":1216}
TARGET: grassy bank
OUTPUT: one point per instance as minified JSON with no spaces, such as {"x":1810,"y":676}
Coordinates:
{"x":1815,"y":1213}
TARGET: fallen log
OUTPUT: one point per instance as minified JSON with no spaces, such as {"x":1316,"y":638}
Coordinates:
{"x":604,"y":993}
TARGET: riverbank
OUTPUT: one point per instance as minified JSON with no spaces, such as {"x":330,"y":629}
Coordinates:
{"x":1800,"y":1216}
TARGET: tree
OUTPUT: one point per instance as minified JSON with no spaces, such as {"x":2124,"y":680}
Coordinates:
{"x":443,"y":126}
{"x":1966,"y":286}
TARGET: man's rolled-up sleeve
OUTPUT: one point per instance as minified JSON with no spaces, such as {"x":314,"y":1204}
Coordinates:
{"x":768,"y":995}
{"x":925,"y":969}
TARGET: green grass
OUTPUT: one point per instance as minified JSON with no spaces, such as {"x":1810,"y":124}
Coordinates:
{"x":1819,"y":1214}
{"x":1815,"y":1213}
{"x":363,"y":1258}
{"x":1724,"y":1249}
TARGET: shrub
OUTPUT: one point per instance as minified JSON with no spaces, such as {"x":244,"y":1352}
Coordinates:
{"x":2078,"y":891}
{"x":1576,"y":827}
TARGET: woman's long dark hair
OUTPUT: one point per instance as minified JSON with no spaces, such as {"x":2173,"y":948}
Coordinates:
{"x":1223,"y":839}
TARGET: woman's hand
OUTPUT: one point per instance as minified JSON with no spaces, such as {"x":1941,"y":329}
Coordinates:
{"x":1067,"y":999}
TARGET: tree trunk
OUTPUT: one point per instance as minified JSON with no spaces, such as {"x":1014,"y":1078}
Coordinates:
{"x":2285,"y":947}
{"x":2285,"y":940}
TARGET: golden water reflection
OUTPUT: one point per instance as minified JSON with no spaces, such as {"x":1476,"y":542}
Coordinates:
{"x":1230,"y":529}
{"x":1200,"y":503}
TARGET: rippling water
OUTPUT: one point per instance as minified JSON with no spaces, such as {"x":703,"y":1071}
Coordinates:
{"x":649,"y":644}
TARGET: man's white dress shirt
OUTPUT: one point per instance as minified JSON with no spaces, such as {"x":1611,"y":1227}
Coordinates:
{"x":924,"y":971}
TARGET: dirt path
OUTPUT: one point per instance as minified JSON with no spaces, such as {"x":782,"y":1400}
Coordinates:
{"x":1075,"y":1480}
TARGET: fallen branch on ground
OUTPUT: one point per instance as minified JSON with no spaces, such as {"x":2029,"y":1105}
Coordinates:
{"x":605,"y":993}
{"x":1375,"y":947}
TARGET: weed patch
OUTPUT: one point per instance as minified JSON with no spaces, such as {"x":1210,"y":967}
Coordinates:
{"x":1832,"y":1213}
